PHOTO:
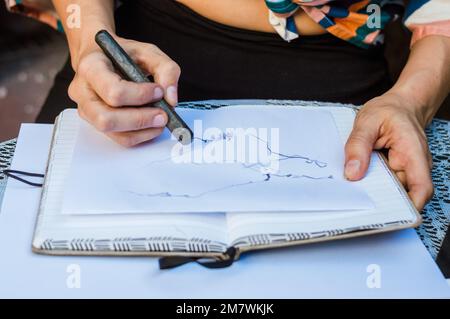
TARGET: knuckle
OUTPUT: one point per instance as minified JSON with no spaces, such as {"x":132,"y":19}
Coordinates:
{"x":173,"y":67}
{"x":356,"y":140}
{"x":398,"y":161}
{"x":84,"y":67}
{"x":144,"y":94}
{"x":113,"y":96}
{"x":152,"y":47}
{"x":141,"y":121}
{"x":406,"y":162}
{"x":148,"y":50}
{"x":169,"y":68}
{"x":103,"y":122}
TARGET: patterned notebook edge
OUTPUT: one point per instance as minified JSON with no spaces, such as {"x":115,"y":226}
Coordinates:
{"x":144,"y":246}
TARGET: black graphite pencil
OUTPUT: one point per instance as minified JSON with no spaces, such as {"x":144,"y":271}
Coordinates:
{"x":131,"y":72}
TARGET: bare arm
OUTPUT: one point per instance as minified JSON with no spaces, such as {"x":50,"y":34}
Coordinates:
{"x":94,"y":16}
{"x":426,"y":77}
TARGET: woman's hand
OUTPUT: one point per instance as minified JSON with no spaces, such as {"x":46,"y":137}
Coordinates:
{"x":389,"y":122}
{"x":110,"y":103}
{"x":104,"y":99}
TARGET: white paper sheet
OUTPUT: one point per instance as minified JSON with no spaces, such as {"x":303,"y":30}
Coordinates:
{"x":340,"y":269}
{"x":298,"y":166}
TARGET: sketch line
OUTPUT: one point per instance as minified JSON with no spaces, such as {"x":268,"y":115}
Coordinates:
{"x":286,"y":157}
{"x":267,"y":178}
{"x":169,"y":194}
{"x":283,"y":157}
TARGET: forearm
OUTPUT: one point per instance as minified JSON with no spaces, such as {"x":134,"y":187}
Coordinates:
{"x":425,"y":80}
{"x":94,"y":14}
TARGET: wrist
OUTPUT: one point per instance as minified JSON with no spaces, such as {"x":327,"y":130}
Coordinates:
{"x":93,"y":16}
{"x":414,"y":104}
{"x":86,"y":43}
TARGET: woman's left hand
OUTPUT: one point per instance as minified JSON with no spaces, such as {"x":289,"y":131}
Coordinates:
{"x":390,"y":122}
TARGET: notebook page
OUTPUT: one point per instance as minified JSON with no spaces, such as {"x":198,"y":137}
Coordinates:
{"x":391,"y":205}
{"x":55,"y":230}
{"x":242,"y":159}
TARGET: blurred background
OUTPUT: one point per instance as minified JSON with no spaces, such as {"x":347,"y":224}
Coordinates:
{"x":31,"y":53}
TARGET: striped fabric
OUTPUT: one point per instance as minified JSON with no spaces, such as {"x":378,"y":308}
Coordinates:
{"x":426,"y":17}
{"x":360,"y":22}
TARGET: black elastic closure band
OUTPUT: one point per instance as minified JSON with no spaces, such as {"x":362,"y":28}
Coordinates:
{"x":175,"y":261}
{"x":14,"y":174}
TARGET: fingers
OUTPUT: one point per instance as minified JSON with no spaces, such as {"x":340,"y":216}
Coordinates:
{"x":420,"y":196}
{"x":420,"y":189}
{"x":401,"y":176}
{"x":384,"y":122}
{"x":164,"y":70}
{"x":112,"y":89}
{"x":418,"y":180}
{"x":127,"y":126}
{"x":106,"y":101}
{"x":358,"y":149}
{"x":107,"y":120}
{"x":129,"y":139}
{"x":410,"y":158}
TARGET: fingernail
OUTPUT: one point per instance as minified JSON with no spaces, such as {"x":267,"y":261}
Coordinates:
{"x":352,"y":168}
{"x":172,"y":95}
{"x":159,"y":121}
{"x":158,"y":94}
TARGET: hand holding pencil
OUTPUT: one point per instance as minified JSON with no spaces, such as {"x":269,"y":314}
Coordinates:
{"x":119,"y":108}
{"x":131,"y":72}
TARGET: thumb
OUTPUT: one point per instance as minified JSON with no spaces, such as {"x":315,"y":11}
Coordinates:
{"x":358,"y":150}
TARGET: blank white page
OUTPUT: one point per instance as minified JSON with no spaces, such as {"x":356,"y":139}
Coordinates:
{"x":243,"y":159}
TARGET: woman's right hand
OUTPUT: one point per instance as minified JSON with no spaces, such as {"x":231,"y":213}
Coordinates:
{"x":110,"y":103}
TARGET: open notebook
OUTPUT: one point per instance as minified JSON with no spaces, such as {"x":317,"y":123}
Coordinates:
{"x":102,"y":199}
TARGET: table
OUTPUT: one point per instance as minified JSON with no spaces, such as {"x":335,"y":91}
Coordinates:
{"x":436,"y":215}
